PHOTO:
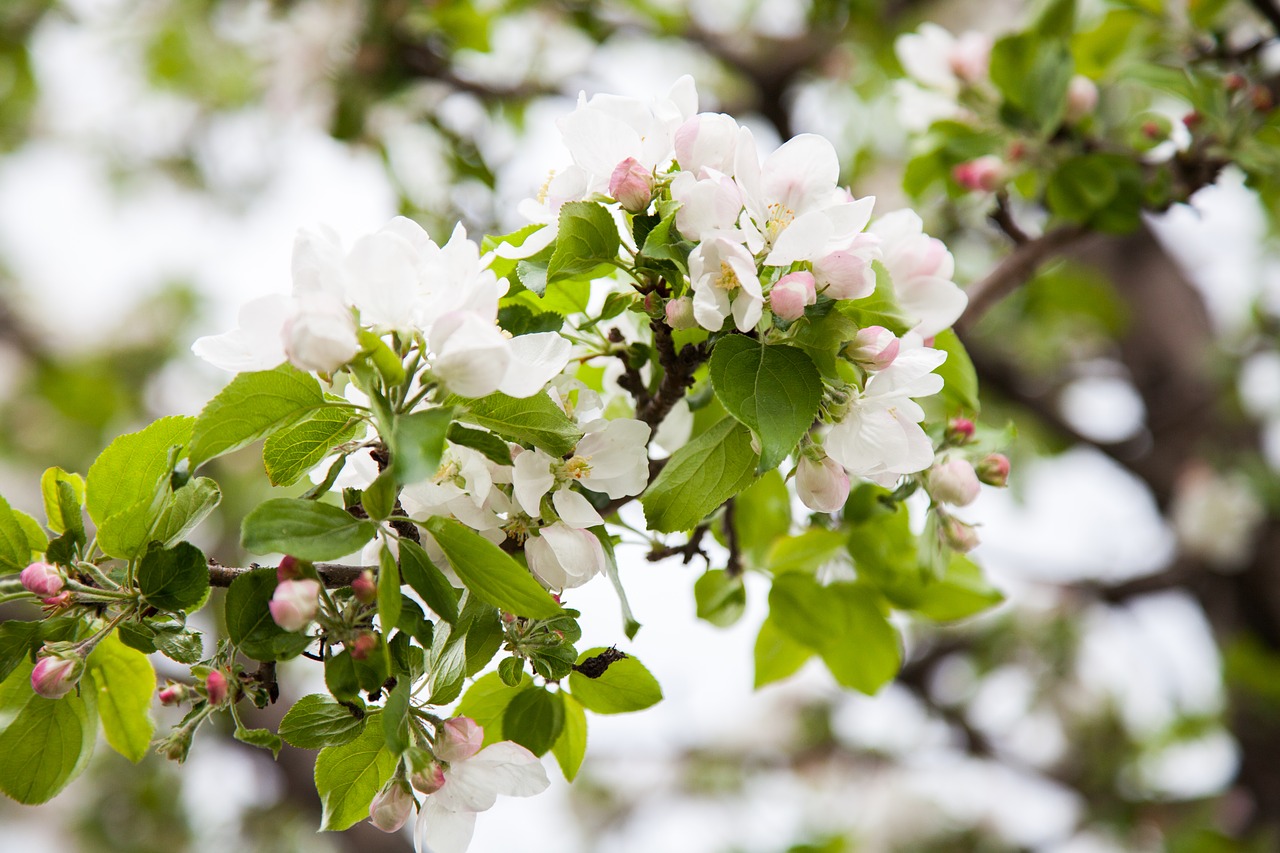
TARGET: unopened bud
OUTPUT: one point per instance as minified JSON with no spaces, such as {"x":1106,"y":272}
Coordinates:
{"x":680,"y":313}
{"x":54,"y":602}
{"x":294,"y":603}
{"x":822,"y":484}
{"x":994,"y":470}
{"x":1152,"y":130}
{"x":874,"y":348}
{"x":391,"y":807}
{"x":1017,"y":150}
{"x":631,"y":185}
{"x":953,"y":482}
{"x":42,"y":579}
{"x":959,"y":535}
{"x":55,"y":677}
{"x":984,"y":174}
{"x":1234,"y":82}
{"x":1082,"y":97}
{"x":960,"y":431}
{"x":459,"y":738}
{"x":1192,"y":119}
{"x":364,"y":646}
{"x":288,"y":570}
{"x":1262,"y":98}
{"x":215,"y":687}
{"x":174,"y":694}
{"x":791,"y":293}
{"x":428,"y":780}
{"x":364,"y":588}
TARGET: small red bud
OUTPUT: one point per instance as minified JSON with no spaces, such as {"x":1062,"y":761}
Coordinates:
{"x":1262,"y":99}
{"x":1151,"y":130}
{"x":215,"y":687}
{"x":994,"y":470}
{"x":288,"y":570}
{"x":1192,"y":119}
{"x":650,"y":300}
{"x":364,"y":587}
{"x":1017,"y":150}
{"x":364,"y":646}
{"x":1234,"y":82}
{"x":174,"y":694}
{"x":508,"y":618}
{"x":960,"y":431}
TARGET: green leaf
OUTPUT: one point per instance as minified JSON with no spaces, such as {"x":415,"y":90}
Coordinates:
{"x":290,"y":453}
{"x":571,"y":747}
{"x":534,"y":719}
{"x":349,"y":776}
{"x":843,"y":623}
{"x":15,"y":548}
{"x":664,"y":244}
{"x":1032,"y":73}
{"x":132,"y":468}
{"x":395,"y":718}
{"x":316,"y":721}
{"x":960,"y":393}
{"x":511,"y":671}
{"x":178,"y":644}
{"x":379,"y":498}
{"x":173,"y":578}
{"x":587,"y":237}
{"x":308,"y":530}
{"x":761,"y":514}
{"x":960,"y":593}
{"x":253,"y":406}
{"x":700,"y":476}
{"x":261,"y":738}
{"x":625,"y":686}
{"x":249,"y":622}
{"x":721,"y":597}
{"x":490,"y":572}
{"x":486,"y":702}
{"x":775,"y":390}
{"x":494,"y":449}
{"x":124,"y":683}
{"x":44,"y":743}
{"x":806,"y":552}
{"x":62,"y":511}
{"x":340,"y":676}
{"x":417,"y":443}
{"x":388,"y":590}
{"x":1055,"y":18}
{"x":777,"y":656}
{"x":18,"y":641}
{"x":533,"y":420}
{"x":185,"y":509}
{"x":428,"y":581}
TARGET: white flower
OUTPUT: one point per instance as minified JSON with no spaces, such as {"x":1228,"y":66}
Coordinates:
{"x":321,"y":335}
{"x":707,"y":141}
{"x":256,"y":343}
{"x":941,"y":61}
{"x":822,"y":485}
{"x":612,"y":457}
{"x":711,"y":204}
{"x":564,"y":557}
{"x":921,"y":269}
{"x":448,"y":817}
{"x":724,"y":280}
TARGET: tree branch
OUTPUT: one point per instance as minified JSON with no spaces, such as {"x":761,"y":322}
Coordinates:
{"x":1015,"y":271}
{"x":332,"y":574}
{"x":1268,"y":10}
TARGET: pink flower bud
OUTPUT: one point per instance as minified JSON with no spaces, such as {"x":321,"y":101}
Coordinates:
{"x":53,"y":602}
{"x":984,"y":174}
{"x":791,"y":293}
{"x":680,"y":313}
{"x":960,"y":430}
{"x":959,"y":535}
{"x":953,"y":482}
{"x":994,"y":470}
{"x":364,"y":646}
{"x":459,"y":739}
{"x":55,"y":677}
{"x":215,"y":687}
{"x":874,"y":348}
{"x":295,"y":603}
{"x":428,"y":780}
{"x":823,"y":486}
{"x":970,"y":56}
{"x":631,"y":185}
{"x":288,"y":570}
{"x":364,"y":587}
{"x":391,"y":807}
{"x":41,"y":579}
{"x":174,"y":694}
{"x":1082,"y":97}
{"x":846,"y":274}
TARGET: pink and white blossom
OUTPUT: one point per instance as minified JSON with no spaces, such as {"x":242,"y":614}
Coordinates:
{"x":42,"y":579}
{"x":54,"y":677}
{"x":822,"y":484}
{"x":791,"y":294}
{"x":391,"y":807}
{"x":874,"y":348}
{"x":294,"y":603}
{"x":564,"y":557}
{"x":921,"y":270}
{"x":953,"y":482}
{"x":723,"y":273}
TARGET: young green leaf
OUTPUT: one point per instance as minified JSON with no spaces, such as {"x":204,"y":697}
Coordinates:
{"x":316,"y":721}
{"x":700,"y":476}
{"x":428,"y":581}
{"x":44,"y":743}
{"x":62,"y":511}
{"x":417,"y":443}
{"x":124,"y":683}
{"x":290,"y":453}
{"x":249,"y":622}
{"x":131,"y":469}
{"x":571,"y":747}
{"x":721,"y":598}
{"x":624,"y":686}
{"x":388,"y":590}
{"x":490,"y":572}
{"x":960,"y":393}
{"x":495,"y":449}
{"x":534,"y":420}
{"x":534,"y":719}
{"x":253,"y":406}
{"x":185,"y":509}
{"x":486,"y":702}
{"x":174,"y":578}
{"x":18,"y":641}
{"x":308,"y":530}
{"x":349,"y":776}
{"x":774,"y":390}
{"x":587,"y":237}
{"x":777,"y":656}
{"x":15,"y":548}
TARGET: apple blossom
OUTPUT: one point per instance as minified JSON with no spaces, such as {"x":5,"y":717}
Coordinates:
{"x":429,"y":779}
{"x":364,"y":588}
{"x":848,"y":273}
{"x":960,"y":431}
{"x":256,"y":343}
{"x":42,"y":579}
{"x":958,"y":535}
{"x":994,"y":470}
{"x":295,"y":603}
{"x":724,"y":278}
{"x":447,"y":819}
{"x":942,"y":61}
{"x":321,"y":335}
{"x":953,"y":482}
{"x":564,"y":557}
{"x":707,"y":143}
{"x":920,"y":268}
{"x":391,"y":807}
{"x":679,"y":312}
{"x":985,"y":174}
{"x":611,"y":457}
{"x":363,"y":646}
{"x":1082,"y":97}
{"x":175,"y":694}
{"x":873,"y":348}
{"x":791,"y":293}
{"x":54,"y":677}
{"x":708,"y":204}
{"x":458,"y":739}
{"x":631,"y":185}
{"x":215,"y":687}
{"x":822,"y":484}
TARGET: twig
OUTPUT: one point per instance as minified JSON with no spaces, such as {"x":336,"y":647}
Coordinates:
{"x":1003,"y":218}
{"x":734,"y":567}
{"x":1015,"y":271}
{"x":686,"y":552}
{"x":332,"y":574}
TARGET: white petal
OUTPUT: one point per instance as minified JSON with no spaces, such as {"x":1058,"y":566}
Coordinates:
{"x":532,"y":479}
{"x":502,"y":768}
{"x":936,"y":302}
{"x":535,"y":359}
{"x":574,"y":509}
{"x":441,"y":830}
{"x":256,"y":344}
{"x":472,"y":355}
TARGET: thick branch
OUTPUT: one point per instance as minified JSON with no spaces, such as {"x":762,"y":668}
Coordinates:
{"x":1015,"y":271}
{"x":332,"y":574}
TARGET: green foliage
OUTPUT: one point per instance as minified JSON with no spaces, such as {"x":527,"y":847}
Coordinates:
{"x":571,"y":747}
{"x":761,"y":514}
{"x":417,"y":443}
{"x":174,"y":579}
{"x":700,"y":476}
{"x":253,"y":406}
{"x":44,"y":743}
{"x":428,"y":581}
{"x":1032,"y":72}
{"x":534,"y":719}
{"x":293,"y":451}
{"x":491,"y":573}
{"x":587,"y":237}
{"x":249,"y":623}
{"x":625,"y":686}
{"x":777,"y":656}
{"x":308,"y":530}
{"x":774,"y":390}
{"x":721,"y":598}
{"x":15,"y":545}
{"x":349,"y":776}
{"x":123,"y":681}
{"x":536,"y":421}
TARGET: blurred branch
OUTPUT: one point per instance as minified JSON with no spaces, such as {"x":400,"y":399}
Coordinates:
{"x":1016,"y":270}
{"x":1268,"y":10}
{"x":332,"y":574}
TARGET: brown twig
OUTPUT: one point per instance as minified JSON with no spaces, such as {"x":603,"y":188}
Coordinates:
{"x":686,"y":552}
{"x":332,"y":574}
{"x":1015,"y":271}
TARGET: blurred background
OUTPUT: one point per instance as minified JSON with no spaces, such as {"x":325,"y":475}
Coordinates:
{"x":156,"y":157}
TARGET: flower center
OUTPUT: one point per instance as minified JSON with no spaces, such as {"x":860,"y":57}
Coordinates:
{"x":780,"y":217}
{"x":728,"y":279}
{"x":577,"y":467}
